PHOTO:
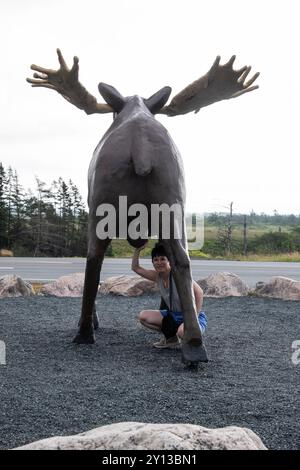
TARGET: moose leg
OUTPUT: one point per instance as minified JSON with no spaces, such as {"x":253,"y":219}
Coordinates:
{"x":88,"y":320}
{"x":193,"y":350}
{"x":95,"y":318}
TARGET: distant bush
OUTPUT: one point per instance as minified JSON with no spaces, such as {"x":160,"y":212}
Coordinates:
{"x":212,"y":247}
{"x":273,"y":242}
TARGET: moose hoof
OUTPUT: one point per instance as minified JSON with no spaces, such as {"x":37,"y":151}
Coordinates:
{"x":84,"y":337}
{"x":193,"y":352}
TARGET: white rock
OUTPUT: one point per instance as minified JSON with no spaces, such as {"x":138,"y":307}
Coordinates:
{"x":65,"y":286}
{"x":279,"y":288}
{"x":129,"y":286}
{"x":139,"y":436}
{"x":14,"y":286}
{"x":223,"y":284}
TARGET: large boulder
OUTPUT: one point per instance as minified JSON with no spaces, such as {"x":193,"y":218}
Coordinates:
{"x":223,"y":284}
{"x":65,"y":286}
{"x":279,"y":288}
{"x":147,"y":436}
{"x":129,"y":286}
{"x":72,"y":286}
{"x":14,"y":286}
{"x":6,"y":252}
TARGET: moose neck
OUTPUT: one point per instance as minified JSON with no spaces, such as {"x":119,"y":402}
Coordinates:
{"x":134,"y":107}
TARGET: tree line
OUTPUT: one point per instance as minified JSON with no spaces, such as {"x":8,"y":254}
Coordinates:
{"x":281,"y":220}
{"x":50,"y":220}
{"x":281,"y":233}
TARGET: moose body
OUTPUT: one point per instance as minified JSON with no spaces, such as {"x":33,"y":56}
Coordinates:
{"x":138,"y":159}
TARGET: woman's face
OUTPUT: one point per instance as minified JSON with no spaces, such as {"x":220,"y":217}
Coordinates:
{"x":161,"y":264}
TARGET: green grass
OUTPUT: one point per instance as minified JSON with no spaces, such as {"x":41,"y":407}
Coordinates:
{"x":281,"y":257}
{"x":122,"y":249}
{"x":211,"y":231}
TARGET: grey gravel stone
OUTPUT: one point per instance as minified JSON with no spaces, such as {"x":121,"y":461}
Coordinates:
{"x":51,"y":386}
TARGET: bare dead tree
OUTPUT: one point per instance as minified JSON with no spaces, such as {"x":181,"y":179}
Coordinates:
{"x":245,"y":236}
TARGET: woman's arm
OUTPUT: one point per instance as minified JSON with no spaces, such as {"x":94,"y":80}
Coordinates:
{"x":135,"y":266}
{"x":198,"y":293}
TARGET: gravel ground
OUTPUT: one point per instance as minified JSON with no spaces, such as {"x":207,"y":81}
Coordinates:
{"x":51,"y":386}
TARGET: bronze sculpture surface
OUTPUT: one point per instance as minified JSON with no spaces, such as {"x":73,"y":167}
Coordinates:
{"x":138,"y":159}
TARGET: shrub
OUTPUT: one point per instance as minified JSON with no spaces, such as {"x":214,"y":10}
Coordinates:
{"x":272,"y":242}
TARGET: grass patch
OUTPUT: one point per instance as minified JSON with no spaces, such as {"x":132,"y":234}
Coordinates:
{"x":281,"y":257}
{"x":265,"y":243}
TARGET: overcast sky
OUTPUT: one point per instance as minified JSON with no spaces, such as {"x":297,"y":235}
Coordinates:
{"x":244,"y":150}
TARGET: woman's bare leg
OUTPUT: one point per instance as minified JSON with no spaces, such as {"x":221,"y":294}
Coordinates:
{"x":151,"y":319}
{"x":180,"y":331}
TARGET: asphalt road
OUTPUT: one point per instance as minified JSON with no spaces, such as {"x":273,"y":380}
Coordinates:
{"x":46,"y":269}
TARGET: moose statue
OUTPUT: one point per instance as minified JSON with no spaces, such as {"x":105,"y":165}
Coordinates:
{"x":138,"y":159}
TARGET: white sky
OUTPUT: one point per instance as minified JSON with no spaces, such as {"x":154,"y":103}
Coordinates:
{"x":244,"y":150}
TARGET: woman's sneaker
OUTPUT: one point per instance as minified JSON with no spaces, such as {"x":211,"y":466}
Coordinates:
{"x":170,"y":343}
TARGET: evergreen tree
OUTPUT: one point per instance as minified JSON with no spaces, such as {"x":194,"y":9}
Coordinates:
{"x":3,"y":209}
{"x":17,"y":210}
{"x":48,"y":222}
{"x":8,"y":194}
{"x":79,"y":221}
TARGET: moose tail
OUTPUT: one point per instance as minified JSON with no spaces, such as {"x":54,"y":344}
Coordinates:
{"x":142,"y":152}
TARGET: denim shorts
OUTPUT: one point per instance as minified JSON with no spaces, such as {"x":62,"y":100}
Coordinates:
{"x":178,"y":317}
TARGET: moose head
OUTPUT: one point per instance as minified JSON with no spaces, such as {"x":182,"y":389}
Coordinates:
{"x":137,"y":159}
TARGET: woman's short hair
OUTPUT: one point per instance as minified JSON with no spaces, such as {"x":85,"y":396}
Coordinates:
{"x":158,"y":250}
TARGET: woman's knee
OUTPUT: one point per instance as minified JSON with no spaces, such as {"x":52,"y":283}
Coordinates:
{"x":150,"y":316}
{"x":143,"y":315}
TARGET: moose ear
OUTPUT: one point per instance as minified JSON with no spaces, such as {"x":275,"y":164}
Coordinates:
{"x":158,"y":100}
{"x":111,"y":96}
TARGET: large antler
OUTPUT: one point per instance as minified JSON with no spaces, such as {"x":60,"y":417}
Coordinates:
{"x":221,"y":82}
{"x":65,"y":81}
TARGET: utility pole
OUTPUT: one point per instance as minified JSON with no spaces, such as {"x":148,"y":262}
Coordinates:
{"x":245,"y":235}
{"x":229,"y":231}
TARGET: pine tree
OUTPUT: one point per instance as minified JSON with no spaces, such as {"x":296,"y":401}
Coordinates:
{"x":8,"y":191}
{"x":65,"y":213}
{"x":79,"y":222}
{"x":3,"y":209}
{"x":48,"y":222}
{"x":17,"y":210}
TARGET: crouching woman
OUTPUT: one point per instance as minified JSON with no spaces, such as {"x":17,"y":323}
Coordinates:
{"x":169,"y":319}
